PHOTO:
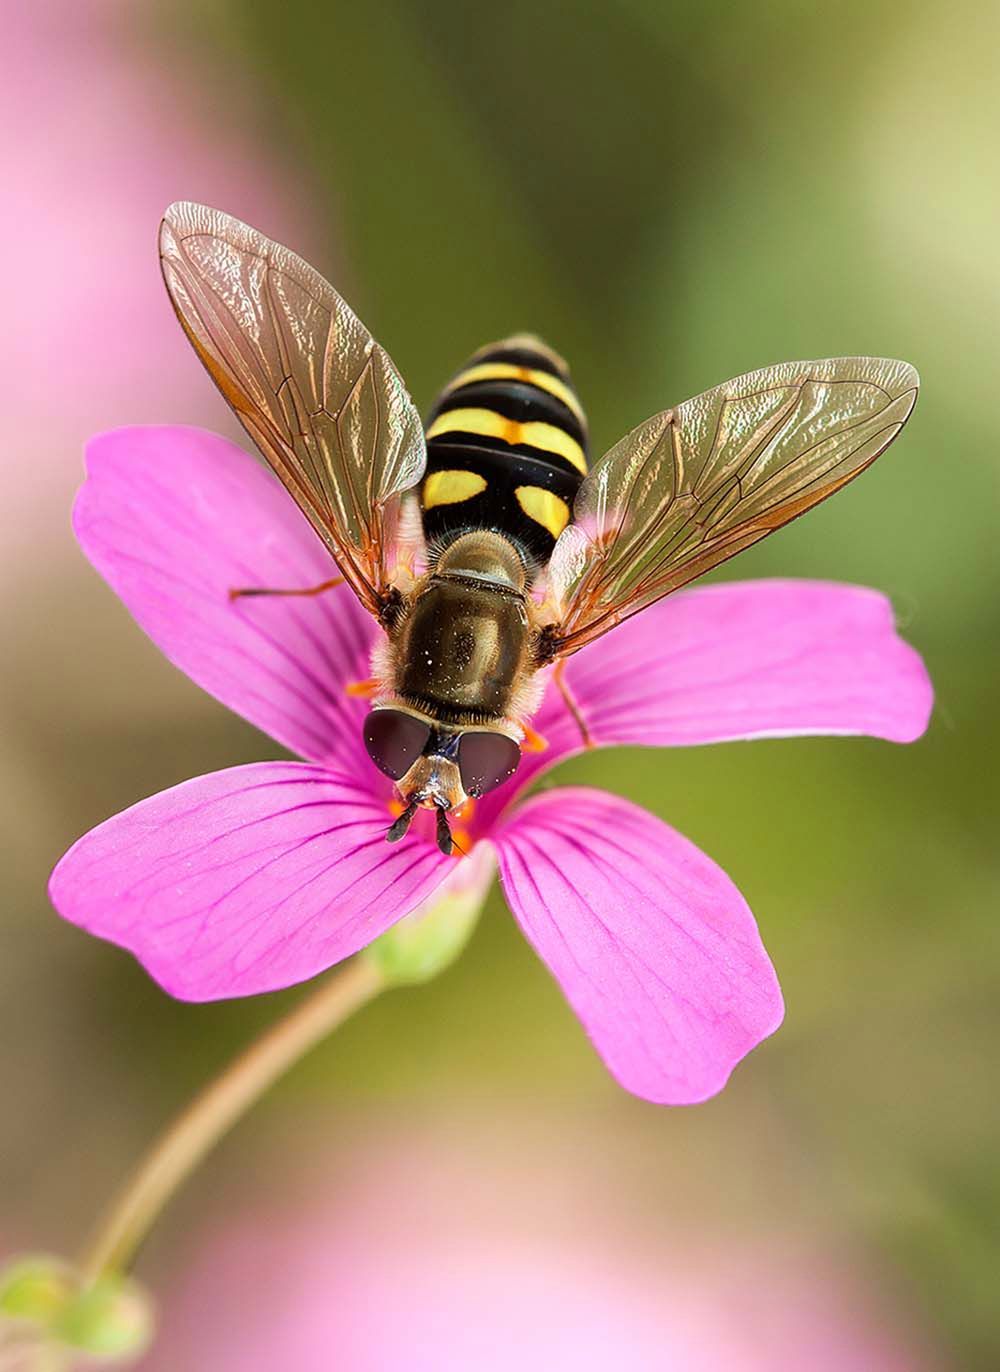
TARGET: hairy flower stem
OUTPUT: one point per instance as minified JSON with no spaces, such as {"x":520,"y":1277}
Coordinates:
{"x":217,"y":1108}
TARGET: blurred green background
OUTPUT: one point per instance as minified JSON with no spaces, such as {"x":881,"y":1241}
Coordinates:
{"x":671,"y":193}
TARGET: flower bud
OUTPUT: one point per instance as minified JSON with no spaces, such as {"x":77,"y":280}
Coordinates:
{"x":431,"y":937}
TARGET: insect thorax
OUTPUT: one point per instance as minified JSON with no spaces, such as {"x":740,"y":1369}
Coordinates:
{"x":464,"y":647}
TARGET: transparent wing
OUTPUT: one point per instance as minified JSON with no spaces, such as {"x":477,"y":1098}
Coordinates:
{"x":315,"y":392}
{"x":694,"y":485}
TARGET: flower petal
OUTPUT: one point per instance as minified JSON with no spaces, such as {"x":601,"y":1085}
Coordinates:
{"x":173,"y":518}
{"x":653,"y":945}
{"x":245,"y":880}
{"x":750,"y":660}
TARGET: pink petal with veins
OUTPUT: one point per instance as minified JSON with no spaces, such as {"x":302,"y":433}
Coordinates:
{"x":753,"y":659}
{"x":173,"y":518}
{"x":245,"y":880}
{"x":652,"y":944}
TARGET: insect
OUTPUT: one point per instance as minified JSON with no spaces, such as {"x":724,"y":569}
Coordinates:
{"x":486,"y":546}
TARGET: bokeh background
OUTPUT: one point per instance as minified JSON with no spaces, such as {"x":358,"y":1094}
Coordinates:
{"x":672,"y":193}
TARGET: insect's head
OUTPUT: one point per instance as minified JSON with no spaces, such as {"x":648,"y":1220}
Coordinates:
{"x":438,"y":767}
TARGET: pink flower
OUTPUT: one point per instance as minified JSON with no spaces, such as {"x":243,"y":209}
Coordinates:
{"x":260,"y":876}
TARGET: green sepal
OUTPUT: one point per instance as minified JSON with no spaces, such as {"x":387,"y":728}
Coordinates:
{"x":36,"y":1289}
{"x":112,"y":1318}
{"x":431,"y":937}
{"x":109,"y":1319}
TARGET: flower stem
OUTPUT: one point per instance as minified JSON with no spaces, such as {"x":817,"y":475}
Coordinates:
{"x":217,"y":1108}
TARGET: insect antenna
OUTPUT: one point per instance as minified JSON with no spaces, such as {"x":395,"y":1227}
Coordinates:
{"x":400,"y":825}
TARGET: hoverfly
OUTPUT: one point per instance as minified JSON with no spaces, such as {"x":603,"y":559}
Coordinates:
{"x":484,"y":546}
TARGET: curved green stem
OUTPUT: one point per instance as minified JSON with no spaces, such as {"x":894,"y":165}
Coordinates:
{"x":217,"y":1108}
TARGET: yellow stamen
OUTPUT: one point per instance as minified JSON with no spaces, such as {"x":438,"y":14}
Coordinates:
{"x":533,"y":742}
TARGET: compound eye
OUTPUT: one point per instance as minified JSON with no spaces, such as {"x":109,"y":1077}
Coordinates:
{"x":395,"y":740}
{"x":486,"y":760}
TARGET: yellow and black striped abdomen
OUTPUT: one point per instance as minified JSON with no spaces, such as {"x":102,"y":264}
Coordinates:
{"x":506,"y":448}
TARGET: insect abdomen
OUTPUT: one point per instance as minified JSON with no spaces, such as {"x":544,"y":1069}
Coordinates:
{"x":506,"y":448}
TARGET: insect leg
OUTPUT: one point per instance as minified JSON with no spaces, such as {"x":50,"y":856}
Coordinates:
{"x":401,"y":823}
{"x":559,"y":677}
{"x":444,"y":839}
{"x":237,"y":593}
